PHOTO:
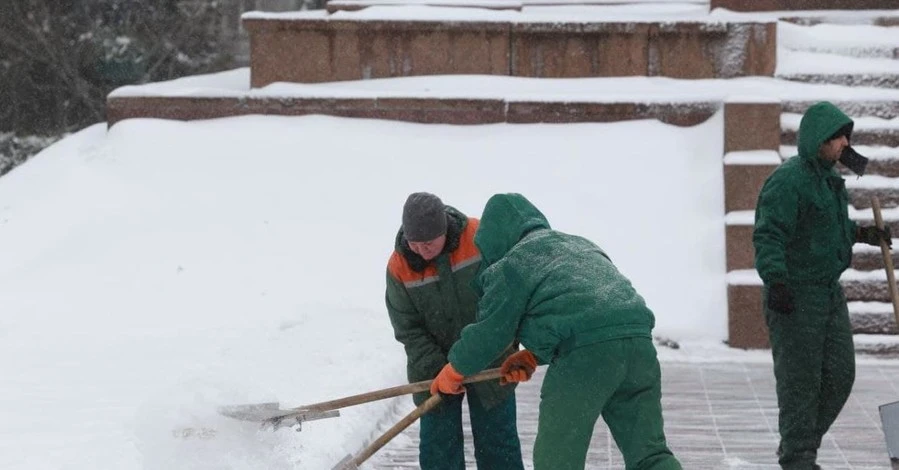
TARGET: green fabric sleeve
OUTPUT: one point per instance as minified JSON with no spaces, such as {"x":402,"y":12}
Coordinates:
{"x":500,"y":309}
{"x":423,"y":354}
{"x":776,"y":217}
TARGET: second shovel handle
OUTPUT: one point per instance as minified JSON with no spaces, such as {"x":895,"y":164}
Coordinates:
{"x":887,"y":259}
{"x":397,"y":428}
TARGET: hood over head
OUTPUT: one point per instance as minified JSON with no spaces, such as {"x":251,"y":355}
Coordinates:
{"x":819,"y":123}
{"x":507,"y":219}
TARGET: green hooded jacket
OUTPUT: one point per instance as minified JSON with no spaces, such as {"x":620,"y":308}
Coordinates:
{"x":803,"y":233}
{"x":551,"y":291}
{"x":430,"y":302}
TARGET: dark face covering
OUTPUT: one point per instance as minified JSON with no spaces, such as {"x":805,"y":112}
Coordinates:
{"x":854,"y":161}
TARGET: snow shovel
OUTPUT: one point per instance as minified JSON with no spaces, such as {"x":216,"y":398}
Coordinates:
{"x":352,"y":462}
{"x":271,"y":414}
{"x":887,"y":259}
{"x":889,"y":413}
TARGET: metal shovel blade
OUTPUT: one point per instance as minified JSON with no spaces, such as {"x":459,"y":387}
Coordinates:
{"x":889,"y":416}
{"x":271,"y":415}
{"x":257,"y":412}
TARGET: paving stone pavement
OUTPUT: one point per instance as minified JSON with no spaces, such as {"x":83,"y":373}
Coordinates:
{"x":717,"y":416}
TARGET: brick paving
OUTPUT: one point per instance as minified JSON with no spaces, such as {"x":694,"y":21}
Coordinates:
{"x":717,"y":416}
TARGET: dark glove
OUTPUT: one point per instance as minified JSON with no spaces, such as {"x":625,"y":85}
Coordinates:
{"x":780,"y":299}
{"x":873,"y":235}
{"x":518,"y":367}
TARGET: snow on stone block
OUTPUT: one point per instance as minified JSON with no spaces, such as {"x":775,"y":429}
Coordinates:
{"x":753,"y":157}
{"x":744,"y":277}
{"x":740,"y":218}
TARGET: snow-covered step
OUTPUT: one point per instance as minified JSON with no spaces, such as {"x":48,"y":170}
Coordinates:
{"x":861,"y":190}
{"x":843,"y":17}
{"x":870,"y":79}
{"x":863,"y":41}
{"x":882,"y":108}
{"x":881,"y":345}
{"x":866,"y":286}
{"x":791,"y":62}
{"x":870,"y":258}
{"x":874,"y":152}
{"x":830,"y":68}
{"x":872,"y":318}
{"x":868,"y":131}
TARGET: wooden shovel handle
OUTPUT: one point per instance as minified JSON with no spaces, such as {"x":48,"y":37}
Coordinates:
{"x":489,"y":374}
{"x":397,"y":428}
{"x":887,"y":259}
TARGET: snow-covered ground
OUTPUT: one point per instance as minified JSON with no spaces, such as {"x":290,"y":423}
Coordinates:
{"x":162,"y":268}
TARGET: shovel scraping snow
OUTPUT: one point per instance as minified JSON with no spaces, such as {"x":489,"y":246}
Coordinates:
{"x":272,"y":415}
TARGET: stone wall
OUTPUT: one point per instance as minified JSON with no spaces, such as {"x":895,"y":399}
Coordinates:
{"x":319,"y":50}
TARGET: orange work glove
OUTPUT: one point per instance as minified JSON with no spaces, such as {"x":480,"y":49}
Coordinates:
{"x":518,"y":367}
{"x":448,"y":381}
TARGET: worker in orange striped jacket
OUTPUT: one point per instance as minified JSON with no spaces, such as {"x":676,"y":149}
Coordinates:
{"x":430,"y":299}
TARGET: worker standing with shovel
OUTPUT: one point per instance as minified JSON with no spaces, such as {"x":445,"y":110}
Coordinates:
{"x":429,"y":300}
{"x":803,"y":241}
{"x":564,"y":300}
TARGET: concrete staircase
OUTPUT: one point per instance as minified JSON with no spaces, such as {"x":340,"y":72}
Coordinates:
{"x":819,"y":51}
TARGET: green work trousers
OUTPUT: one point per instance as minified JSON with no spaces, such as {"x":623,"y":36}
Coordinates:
{"x":618,"y":379}
{"x":814,"y":365}
{"x":495,"y":433}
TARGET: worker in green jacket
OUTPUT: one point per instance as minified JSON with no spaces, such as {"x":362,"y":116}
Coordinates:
{"x":430,"y":299}
{"x":803,"y":241}
{"x":561,"y":297}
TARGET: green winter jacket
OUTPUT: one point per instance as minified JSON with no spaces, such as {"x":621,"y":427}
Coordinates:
{"x":430,"y":302}
{"x":802,"y":229}
{"x":551,"y":291}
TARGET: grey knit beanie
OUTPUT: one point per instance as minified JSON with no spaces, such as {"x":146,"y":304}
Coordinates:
{"x":424,"y":217}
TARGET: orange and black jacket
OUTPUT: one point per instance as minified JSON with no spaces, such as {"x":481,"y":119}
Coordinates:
{"x":430,"y":302}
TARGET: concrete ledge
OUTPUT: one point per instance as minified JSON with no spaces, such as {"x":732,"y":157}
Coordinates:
{"x":680,"y":114}
{"x":422,"y":110}
{"x":356,"y":5}
{"x":412,"y":110}
{"x":308,"y":50}
{"x":316,"y":50}
{"x":782,"y":5}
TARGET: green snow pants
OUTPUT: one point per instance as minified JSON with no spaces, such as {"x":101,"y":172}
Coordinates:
{"x":495,"y":433}
{"x":618,"y":379}
{"x":814,"y":365}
